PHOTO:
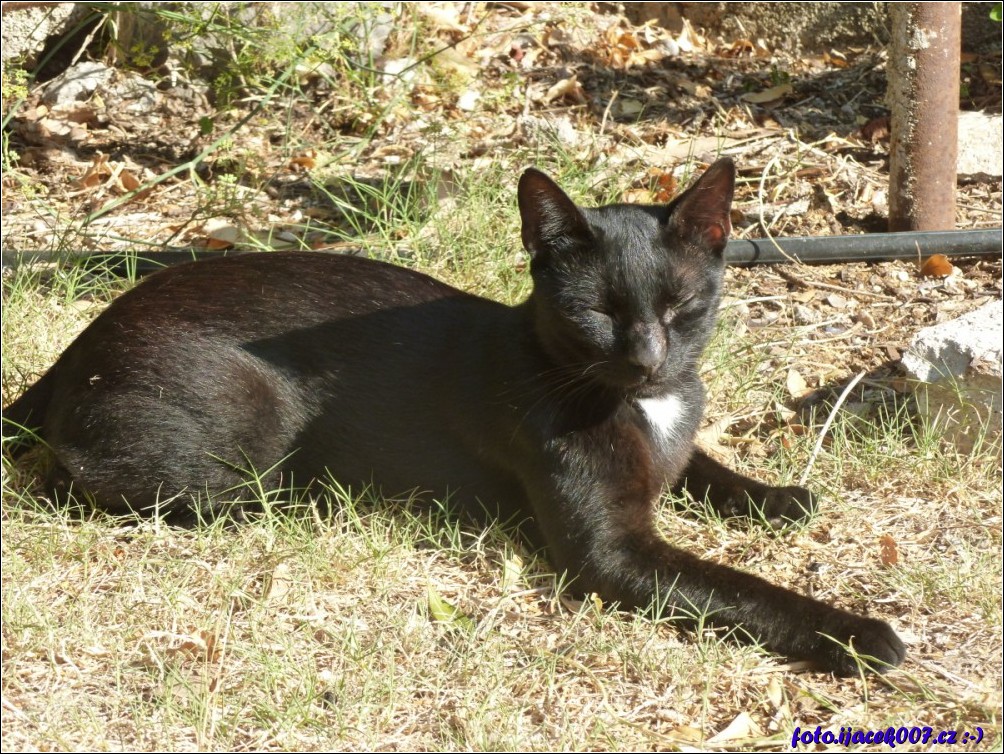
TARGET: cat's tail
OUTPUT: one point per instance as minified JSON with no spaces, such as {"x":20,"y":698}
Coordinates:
{"x":23,"y":417}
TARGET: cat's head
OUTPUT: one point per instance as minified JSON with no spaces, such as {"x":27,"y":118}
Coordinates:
{"x":627,"y":294}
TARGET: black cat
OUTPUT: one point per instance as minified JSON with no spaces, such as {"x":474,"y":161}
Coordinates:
{"x":568,"y":413}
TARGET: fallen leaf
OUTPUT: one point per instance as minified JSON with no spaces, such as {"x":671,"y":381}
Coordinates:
{"x":638,"y":196}
{"x":688,"y":733}
{"x":445,"y":613}
{"x":666,"y":184}
{"x":126,"y":181}
{"x":888,"y":552}
{"x":443,"y":16}
{"x":767,"y":95}
{"x":569,"y":88}
{"x":630,"y":107}
{"x":741,"y":48}
{"x":742,"y":726}
{"x":775,"y":692}
{"x":512,"y":572}
{"x":876,"y":129}
{"x":306,"y":160}
{"x":455,"y":62}
{"x":688,"y":40}
{"x":936,"y":266}
{"x":836,"y":59}
{"x":220,"y":233}
{"x":797,"y":386}
{"x":277,"y":585}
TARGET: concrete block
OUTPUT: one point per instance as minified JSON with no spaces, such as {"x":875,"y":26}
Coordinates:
{"x":981,"y":147}
{"x":956,"y":368}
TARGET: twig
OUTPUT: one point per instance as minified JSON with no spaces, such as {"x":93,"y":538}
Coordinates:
{"x":760,"y":202}
{"x":826,"y":427}
{"x":795,"y":280}
{"x":606,"y":111}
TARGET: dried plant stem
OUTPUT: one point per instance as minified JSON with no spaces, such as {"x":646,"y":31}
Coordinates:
{"x":826,"y":426}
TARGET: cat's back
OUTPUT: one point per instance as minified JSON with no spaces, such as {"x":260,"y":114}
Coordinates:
{"x":270,"y":292}
{"x":307,"y":318}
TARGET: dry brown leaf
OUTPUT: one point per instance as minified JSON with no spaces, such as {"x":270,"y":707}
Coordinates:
{"x":835,"y":58}
{"x":688,"y":733}
{"x":569,"y":88}
{"x":888,"y":552}
{"x":200,"y":645}
{"x":665,"y":182}
{"x":773,"y":94}
{"x":741,"y":727}
{"x":126,"y":181}
{"x":277,"y":585}
{"x":638,"y":196}
{"x":306,"y":160}
{"x":936,"y":266}
{"x":876,"y":129}
{"x":741,"y":48}
{"x":97,"y":172}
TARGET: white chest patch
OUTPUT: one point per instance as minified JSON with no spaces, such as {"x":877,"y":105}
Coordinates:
{"x":663,"y":415}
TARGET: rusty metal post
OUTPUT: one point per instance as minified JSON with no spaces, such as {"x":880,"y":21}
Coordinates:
{"x":924,"y":98}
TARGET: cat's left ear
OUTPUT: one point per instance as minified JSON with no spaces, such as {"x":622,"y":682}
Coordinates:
{"x":550,"y":218}
{"x":702,"y":211}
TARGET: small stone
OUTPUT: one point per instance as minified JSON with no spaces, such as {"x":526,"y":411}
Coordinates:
{"x":865,"y":318}
{"x":804,"y":315}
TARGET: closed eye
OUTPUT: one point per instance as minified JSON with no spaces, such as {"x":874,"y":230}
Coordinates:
{"x":603,"y":312}
{"x":685,"y":306}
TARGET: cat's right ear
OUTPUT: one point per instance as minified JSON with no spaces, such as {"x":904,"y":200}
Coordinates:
{"x":550,"y":218}
{"x":703,"y":211}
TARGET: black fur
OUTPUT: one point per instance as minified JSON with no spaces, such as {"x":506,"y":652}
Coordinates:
{"x":568,"y":413}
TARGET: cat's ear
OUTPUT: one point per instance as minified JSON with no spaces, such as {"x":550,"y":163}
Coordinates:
{"x":549,"y":216}
{"x":702,"y":211}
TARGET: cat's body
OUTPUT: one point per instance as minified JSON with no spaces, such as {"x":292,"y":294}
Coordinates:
{"x":567,"y":414}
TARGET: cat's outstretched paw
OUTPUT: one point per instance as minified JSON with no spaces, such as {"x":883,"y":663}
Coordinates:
{"x":776,"y":507}
{"x":782,"y":506}
{"x":868,"y":643}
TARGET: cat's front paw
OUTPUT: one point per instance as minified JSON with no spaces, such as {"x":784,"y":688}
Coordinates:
{"x":782,"y":506}
{"x":776,"y":507}
{"x":867,"y":642}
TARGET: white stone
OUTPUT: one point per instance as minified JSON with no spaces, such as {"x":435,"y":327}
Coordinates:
{"x":981,"y":148}
{"x":957,"y":369}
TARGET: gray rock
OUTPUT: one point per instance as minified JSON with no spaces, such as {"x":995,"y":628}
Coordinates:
{"x":26,"y":29}
{"x":956,"y":366}
{"x":981,"y":147}
{"x":76,"y":84}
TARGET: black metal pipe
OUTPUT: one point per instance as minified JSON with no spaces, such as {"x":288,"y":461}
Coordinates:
{"x":871,"y":247}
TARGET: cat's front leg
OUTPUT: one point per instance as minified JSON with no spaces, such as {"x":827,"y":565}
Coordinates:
{"x":733,"y":495}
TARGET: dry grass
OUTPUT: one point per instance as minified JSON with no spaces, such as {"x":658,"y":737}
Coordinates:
{"x":301,"y":631}
{"x":298,"y":631}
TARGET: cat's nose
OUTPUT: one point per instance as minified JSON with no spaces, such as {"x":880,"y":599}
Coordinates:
{"x":647,"y":348}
